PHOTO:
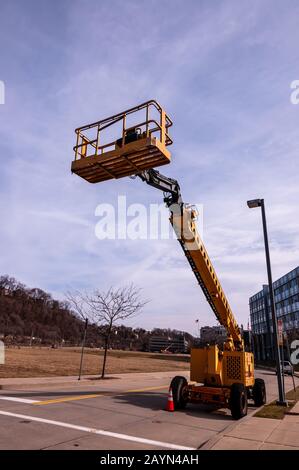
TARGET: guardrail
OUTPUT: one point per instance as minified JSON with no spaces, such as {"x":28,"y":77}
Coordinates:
{"x":93,"y":139}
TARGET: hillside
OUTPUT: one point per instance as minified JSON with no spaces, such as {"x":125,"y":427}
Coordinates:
{"x":32,"y":316}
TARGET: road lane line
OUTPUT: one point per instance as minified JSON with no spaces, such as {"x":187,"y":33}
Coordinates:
{"x":100,"y":432}
{"x":19,"y":400}
{"x":63,"y":399}
{"x":78,"y":397}
{"x":101,"y":394}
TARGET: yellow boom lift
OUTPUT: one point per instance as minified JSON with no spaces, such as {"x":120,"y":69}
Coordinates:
{"x":133,"y":143}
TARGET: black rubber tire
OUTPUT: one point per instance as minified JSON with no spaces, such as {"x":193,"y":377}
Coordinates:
{"x":238,"y":401}
{"x":259,"y":392}
{"x":177,"y":385}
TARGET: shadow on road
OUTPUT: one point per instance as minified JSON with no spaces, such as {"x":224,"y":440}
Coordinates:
{"x":158,"y":401}
{"x":41,"y":393}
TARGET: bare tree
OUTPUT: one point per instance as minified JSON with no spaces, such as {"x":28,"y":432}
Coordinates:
{"x":78,"y":302}
{"x":105,"y":309}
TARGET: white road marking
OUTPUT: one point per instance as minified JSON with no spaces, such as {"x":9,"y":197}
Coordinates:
{"x":20,"y":400}
{"x":100,"y":432}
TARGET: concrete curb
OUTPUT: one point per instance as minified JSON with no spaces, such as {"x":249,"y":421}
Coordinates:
{"x":208,"y":445}
{"x":272,"y":369}
{"x":33,"y":385}
{"x":65,"y":381}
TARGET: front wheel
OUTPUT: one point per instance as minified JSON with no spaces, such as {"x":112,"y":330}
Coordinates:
{"x":238,"y":401}
{"x":259,"y":392}
{"x":179,"y":392}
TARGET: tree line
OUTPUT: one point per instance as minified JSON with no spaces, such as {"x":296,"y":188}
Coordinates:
{"x":32,"y":316}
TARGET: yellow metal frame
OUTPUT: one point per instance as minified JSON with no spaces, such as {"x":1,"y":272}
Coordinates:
{"x":85,"y":146}
{"x":138,"y":147}
{"x":184,"y":225}
{"x":217,"y":368}
{"x":211,"y":366}
{"x":208,"y":395}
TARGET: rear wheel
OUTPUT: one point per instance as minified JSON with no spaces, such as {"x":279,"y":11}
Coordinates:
{"x":259,"y":392}
{"x":179,"y":392}
{"x":238,"y":401}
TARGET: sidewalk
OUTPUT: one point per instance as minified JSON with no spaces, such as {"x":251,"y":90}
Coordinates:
{"x":24,"y":383}
{"x":260,"y":434}
{"x":90,"y":380}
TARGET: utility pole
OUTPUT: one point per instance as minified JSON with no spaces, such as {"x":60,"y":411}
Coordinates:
{"x":82,"y":348}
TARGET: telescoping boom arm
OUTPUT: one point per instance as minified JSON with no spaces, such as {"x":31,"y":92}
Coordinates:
{"x":182,"y":218}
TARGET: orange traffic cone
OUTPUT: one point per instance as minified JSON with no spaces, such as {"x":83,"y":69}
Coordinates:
{"x":170,"y":404}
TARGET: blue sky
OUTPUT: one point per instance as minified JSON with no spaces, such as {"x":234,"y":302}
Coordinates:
{"x":222,"y":70}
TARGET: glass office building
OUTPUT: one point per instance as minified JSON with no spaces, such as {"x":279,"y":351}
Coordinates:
{"x":286,"y":293}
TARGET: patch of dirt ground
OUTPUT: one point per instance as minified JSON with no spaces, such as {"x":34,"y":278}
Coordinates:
{"x":46,"y":362}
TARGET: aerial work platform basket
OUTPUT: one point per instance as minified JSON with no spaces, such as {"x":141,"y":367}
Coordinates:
{"x":124,"y":144}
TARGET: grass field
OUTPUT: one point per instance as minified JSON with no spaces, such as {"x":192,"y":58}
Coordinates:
{"x":274,"y":411}
{"x":46,"y":362}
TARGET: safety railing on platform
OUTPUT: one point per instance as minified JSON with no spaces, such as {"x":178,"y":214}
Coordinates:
{"x":95,"y":139}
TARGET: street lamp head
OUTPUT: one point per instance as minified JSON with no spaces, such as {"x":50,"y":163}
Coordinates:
{"x":254,"y":203}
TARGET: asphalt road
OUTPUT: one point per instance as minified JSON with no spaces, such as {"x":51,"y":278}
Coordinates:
{"x":125,"y":412}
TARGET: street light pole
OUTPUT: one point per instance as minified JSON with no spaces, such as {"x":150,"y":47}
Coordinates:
{"x":198,"y":330}
{"x":260,"y":203}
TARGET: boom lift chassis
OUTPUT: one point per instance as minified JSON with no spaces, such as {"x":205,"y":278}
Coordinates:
{"x":223,"y":378}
